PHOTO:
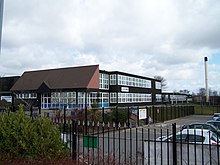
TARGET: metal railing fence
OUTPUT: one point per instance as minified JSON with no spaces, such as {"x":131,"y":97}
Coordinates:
{"x":154,"y":114}
{"x":109,"y":143}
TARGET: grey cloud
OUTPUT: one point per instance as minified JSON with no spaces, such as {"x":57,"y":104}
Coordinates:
{"x":145,"y":37}
{"x":199,"y":24}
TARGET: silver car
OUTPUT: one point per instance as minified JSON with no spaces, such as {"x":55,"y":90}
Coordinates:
{"x":199,"y":136}
{"x":216,"y":116}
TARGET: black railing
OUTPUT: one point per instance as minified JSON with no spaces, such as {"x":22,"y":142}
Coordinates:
{"x":154,"y":114}
{"x":108,"y":143}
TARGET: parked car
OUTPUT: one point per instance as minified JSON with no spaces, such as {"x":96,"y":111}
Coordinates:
{"x":215,"y":123}
{"x":215,"y":116}
{"x":208,"y":126}
{"x":199,"y":136}
{"x":217,"y":119}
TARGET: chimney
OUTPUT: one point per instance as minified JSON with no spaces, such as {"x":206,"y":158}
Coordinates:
{"x":206,"y":79}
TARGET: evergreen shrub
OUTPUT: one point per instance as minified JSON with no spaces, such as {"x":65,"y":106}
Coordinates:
{"x":24,"y":138}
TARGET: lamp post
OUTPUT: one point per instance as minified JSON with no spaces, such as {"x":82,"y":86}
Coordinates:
{"x":1,"y":20}
{"x":206,"y":79}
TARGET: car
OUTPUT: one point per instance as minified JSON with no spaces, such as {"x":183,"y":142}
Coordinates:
{"x":215,"y":116}
{"x":208,"y":126}
{"x":215,"y":123}
{"x":198,"y":136}
{"x":217,"y":119}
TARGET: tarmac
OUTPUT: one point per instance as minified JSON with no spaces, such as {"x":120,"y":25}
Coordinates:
{"x":185,"y":120}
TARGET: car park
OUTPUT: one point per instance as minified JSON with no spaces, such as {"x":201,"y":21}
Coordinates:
{"x":198,"y":136}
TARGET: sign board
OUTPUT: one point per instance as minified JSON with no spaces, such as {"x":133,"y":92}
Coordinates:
{"x":7,"y":98}
{"x":124,"y":89}
{"x":142,"y":114}
{"x":90,"y":141}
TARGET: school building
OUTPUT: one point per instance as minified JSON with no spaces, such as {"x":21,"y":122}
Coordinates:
{"x":85,"y":86}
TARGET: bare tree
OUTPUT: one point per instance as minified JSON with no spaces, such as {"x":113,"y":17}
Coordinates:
{"x":185,"y":91}
{"x":202,"y":92}
{"x":215,"y":93}
{"x":163,"y":81}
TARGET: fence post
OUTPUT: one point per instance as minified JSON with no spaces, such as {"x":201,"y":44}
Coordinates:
{"x":171,"y":111}
{"x":86,"y":119}
{"x":187,"y":109}
{"x":174,"y":144}
{"x":138,"y":116}
{"x":175,"y":111}
{"x":74,"y":139}
{"x":64,"y":116}
{"x":181,"y":110}
{"x":178,"y":111}
{"x":147,"y":115}
{"x":162,"y":113}
{"x":103,"y":116}
{"x":116,"y":116}
{"x":128,"y":116}
{"x":153,"y":114}
{"x":166,"y":113}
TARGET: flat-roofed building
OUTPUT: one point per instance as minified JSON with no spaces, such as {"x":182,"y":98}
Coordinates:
{"x":176,"y":97}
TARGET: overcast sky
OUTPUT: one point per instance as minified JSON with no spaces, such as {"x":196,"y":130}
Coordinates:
{"x":169,"y":38}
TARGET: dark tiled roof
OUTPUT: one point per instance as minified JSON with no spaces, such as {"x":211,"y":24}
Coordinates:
{"x":7,"y":82}
{"x":63,"y":78}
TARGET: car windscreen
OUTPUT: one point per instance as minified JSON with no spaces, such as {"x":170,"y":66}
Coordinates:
{"x":216,"y":124}
{"x":216,"y":115}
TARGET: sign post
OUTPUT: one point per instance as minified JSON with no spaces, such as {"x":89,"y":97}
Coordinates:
{"x":142,"y":113}
{"x":7,"y":98}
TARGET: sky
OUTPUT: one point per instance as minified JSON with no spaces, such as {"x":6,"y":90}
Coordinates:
{"x":167,"y":38}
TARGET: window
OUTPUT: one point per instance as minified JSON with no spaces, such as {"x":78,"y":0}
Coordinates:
{"x":133,"y":97}
{"x":113,"y":79}
{"x":103,"y":81}
{"x":196,"y":138}
{"x":33,"y":95}
{"x":158,"y":85}
{"x":158,"y":98}
{"x":105,"y":99}
{"x":46,"y":100}
{"x":26,"y":95}
{"x":101,"y":99}
{"x":93,"y":98}
{"x":180,"y":138}
{"x":131,"y":81}
{"x":81,"y":97}
{"x":113,"y":97}
{"x":61,"y":99}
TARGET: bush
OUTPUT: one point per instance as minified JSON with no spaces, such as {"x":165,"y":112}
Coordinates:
{"x":23,"y":138}
{"x":117,"y":115}
{"x":4,"y":105}
{"x":95,"y":115}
